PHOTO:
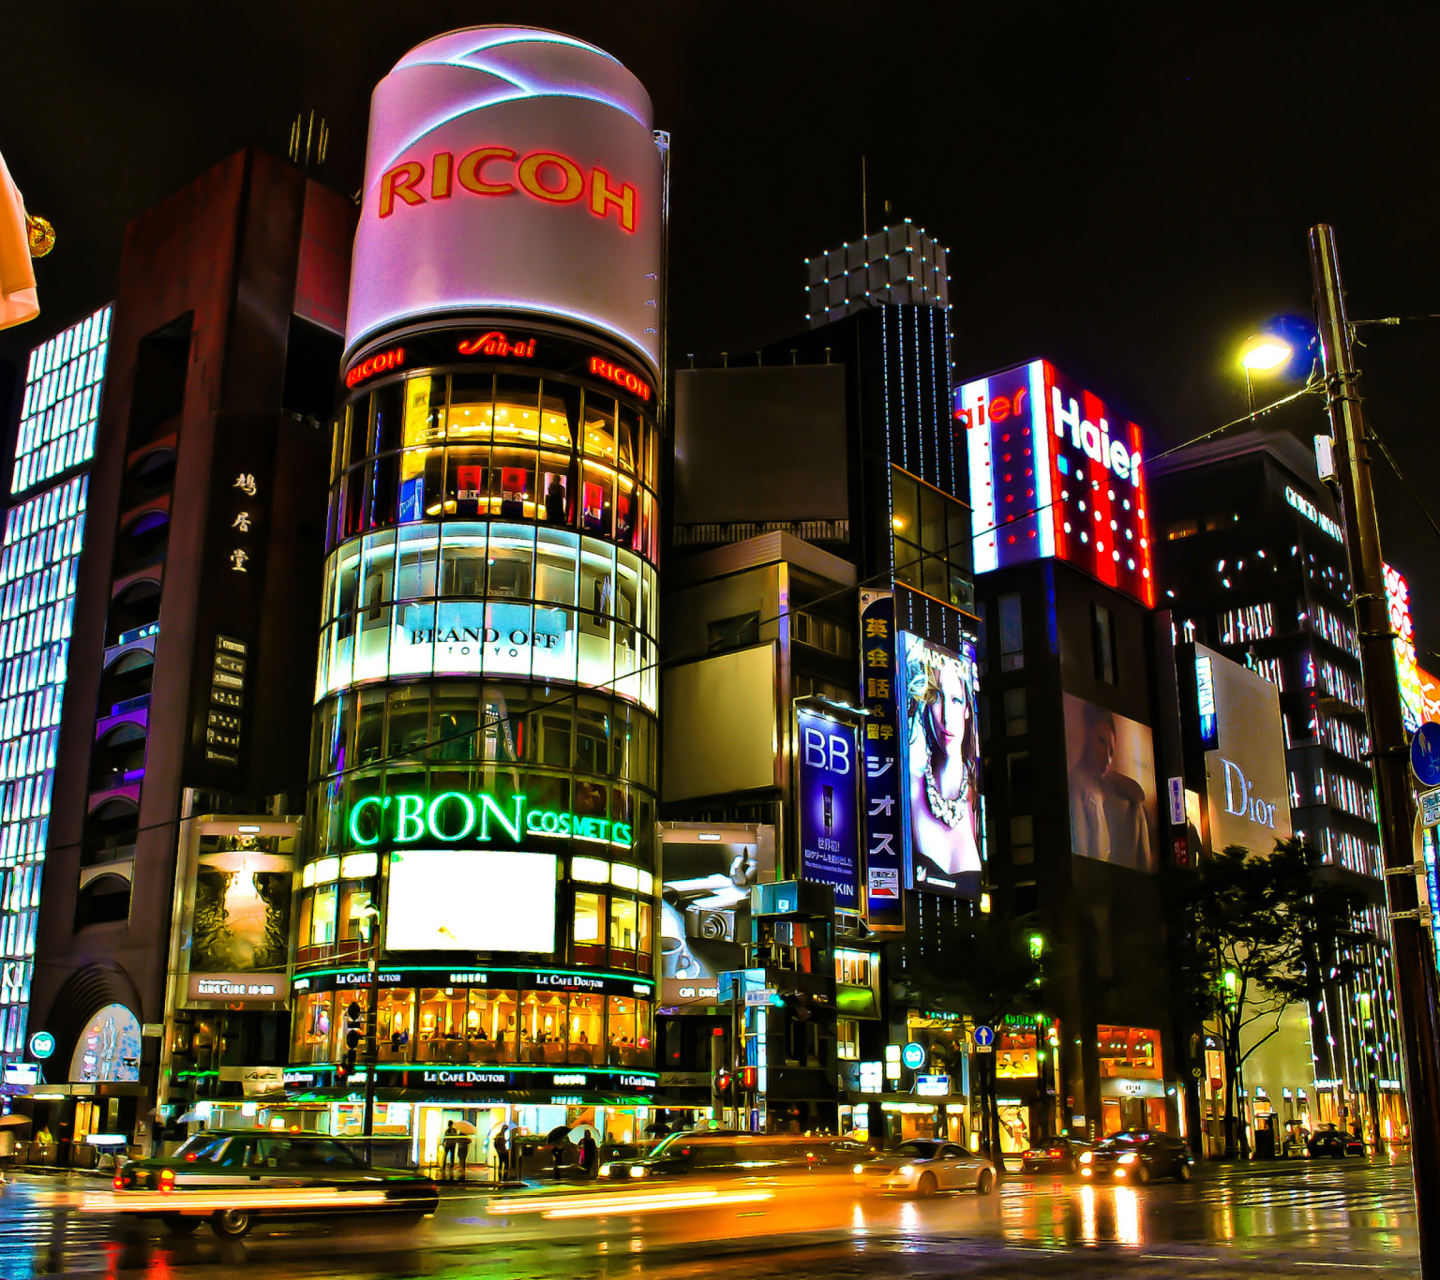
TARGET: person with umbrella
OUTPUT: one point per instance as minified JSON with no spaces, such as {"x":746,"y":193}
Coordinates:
{"x":559,"y":1139}
{"x":589,"y":1153}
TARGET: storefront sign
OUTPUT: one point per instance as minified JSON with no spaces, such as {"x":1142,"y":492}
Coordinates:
{"x":509,"y":979}
{"x":42,"y":1045}
{"x":467,"y":820}
{"x":932,"y":1086}
{"x":829,"y":839}
{"x":882,"y":813}
{"x":914,"y":1055}
{"x":621,"y":377}
{"x":483,"y":1078}
{"x":495,"y":343}
{"x":232,"y":987}
{"x":368,"y":368}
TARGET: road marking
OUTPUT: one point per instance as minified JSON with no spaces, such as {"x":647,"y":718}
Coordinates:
{"x":1179,"y":1257}
{"x":1368,"y":1266}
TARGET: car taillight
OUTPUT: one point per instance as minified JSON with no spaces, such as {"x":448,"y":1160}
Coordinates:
{"x":1055,"y":1152}
{"x":167,"y":1180}
{"x":119,"y":1183}
{"x":1029,"y":1155}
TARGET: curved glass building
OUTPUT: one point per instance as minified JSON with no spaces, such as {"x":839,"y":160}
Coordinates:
{"x":483,"y":796}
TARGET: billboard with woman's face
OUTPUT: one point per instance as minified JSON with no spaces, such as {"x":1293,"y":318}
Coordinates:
{"x":1113,"y":810}
{"x":941,"y":752}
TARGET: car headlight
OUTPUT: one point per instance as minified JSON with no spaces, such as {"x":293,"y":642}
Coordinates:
{"x":604,"y":1170}
{"x":1128,"y":1158}
{"x":637,"y":1171}
{"x":1085,"y":1157}
{"x":859,"y":1168}
{"x":906,"y":1170}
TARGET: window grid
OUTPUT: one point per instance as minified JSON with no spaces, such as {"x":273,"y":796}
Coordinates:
{"x":62,"y":402}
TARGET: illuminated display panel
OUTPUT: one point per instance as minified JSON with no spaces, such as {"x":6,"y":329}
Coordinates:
{"x":62,"y":402}
{"x":1050,"y":474}
{"x":453,"y":900}
{"x":1412,"y":689}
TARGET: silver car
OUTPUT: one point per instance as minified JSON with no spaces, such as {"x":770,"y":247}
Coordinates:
{"x":925,"y":1167}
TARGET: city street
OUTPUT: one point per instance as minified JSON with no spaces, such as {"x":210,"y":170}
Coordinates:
{"x":1296,"y":1219}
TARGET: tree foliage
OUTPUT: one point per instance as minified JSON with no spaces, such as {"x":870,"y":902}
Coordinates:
{"x":1253,"y":934}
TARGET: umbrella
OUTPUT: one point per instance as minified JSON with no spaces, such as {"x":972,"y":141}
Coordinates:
{"x":580,"y":1130}
{"x":15,"y":1121}
{"x":191,"y":1117}
{"x":657,"y":1129}
{"x":558,"y":1134}
{"x":463,"y":1126}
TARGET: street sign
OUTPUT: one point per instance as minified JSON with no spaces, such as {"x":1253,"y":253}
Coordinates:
{"x":1425,"y":754}
{"x":914,"y":1055}
{"x":753,"y":998}
{"x":984,"y":1038}
{"x":42,"y":1044}
{"x":932,"y":1086}
{"x":1430,"y":808}
{"x":1177,"y":802}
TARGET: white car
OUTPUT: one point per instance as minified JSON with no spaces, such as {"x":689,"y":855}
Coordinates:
{"x":925,"y":1167}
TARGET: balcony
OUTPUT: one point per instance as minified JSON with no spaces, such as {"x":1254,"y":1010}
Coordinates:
{"x":134,"y":711}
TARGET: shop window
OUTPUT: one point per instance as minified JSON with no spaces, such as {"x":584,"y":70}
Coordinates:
{"x":1017,"y":722}
{"x":424,"y":411}
{"x":853,"y":968}
{"x":627,"y":512}
{"x":592,"y":736}
{"x":322,"y":916}
{"x":544,"y":1016}
{"x":556,"y":559}
{"x":440,"y":1032}
{"x":462,"y":559}
{"x":623,"y":930}
{"x":369,"y":728}
{"x":628,"y":1032}
{"x":491,"y":1024}
{"x":395,"y":1024}
{"x":733,"y":633}
{"x":409,"y":718}
{"x":417,"y":559}
{"x":352,"y":922}
{"x":1016,"y":1053}
{"x":587,"y":936}
{"x":517,"y":411}
{"x":457,"y":721}
{"x":311,"y":1027}
{"x":644,"y":933}
{"x":472,"y":408}
{"x":847,"y":1039}
{"x":1012,"y":634}
{"x":1128,"y":1052}
{"x":512,"y":561}
{"x":587,"y":1030}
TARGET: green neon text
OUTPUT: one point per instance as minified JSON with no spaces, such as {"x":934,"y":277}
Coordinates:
{"x":455,"y":817}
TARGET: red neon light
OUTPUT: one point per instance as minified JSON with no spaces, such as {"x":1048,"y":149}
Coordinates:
{"x":382,"y":363}
{"x":496,"y":343}
{"x":621,"y":377}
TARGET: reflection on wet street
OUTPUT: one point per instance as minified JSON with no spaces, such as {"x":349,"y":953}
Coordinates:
{"x":1288,"y":1218}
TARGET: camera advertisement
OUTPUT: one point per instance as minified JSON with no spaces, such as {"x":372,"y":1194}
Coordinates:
{"x":705,"y":910}
{"x":942,"y":762}
{"x":829,"y":833}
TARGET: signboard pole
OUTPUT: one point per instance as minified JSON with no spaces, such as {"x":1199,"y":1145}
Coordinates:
{"x":1412,"y":946}
{"x":372,"y":1010}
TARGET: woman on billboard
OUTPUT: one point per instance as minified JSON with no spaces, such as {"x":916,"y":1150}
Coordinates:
{"x":944,"y":767}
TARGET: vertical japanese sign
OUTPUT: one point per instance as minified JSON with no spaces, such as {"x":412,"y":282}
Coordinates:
{"x":827,"y":795}
{"x":884,"y":850}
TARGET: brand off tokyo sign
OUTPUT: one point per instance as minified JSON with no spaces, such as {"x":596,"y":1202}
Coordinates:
{"x":510,"y":169}
{"x":1053,"y":472}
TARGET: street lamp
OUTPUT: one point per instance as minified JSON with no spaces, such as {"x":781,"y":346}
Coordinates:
{"x":1262,"y":353}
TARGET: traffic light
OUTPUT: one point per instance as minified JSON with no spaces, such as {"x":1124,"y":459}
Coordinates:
{"x":724,"y":1086}
{"x":351,"y":1031}
{"x":749,"y":1077}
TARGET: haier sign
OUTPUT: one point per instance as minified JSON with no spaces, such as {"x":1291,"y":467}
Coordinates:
{"x":1054,"y":472}
{"x":1247,"y":781}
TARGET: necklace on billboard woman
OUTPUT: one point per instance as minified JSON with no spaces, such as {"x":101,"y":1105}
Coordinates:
{"x":950,"y":812}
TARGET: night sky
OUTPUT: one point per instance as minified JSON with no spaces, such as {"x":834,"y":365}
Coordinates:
{"x":1125,"y":190}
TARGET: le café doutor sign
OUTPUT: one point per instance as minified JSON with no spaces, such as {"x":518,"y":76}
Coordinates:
{"x":464,"y":819}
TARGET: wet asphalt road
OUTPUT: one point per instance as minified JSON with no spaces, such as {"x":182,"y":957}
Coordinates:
{"x":1346,"y":1218}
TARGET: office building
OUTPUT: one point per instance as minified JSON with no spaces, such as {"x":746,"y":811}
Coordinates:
{"x":899,"y":264}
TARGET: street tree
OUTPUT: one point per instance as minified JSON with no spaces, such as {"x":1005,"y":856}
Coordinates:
{"x":1252,"y":934}
{"x":989,"y":967}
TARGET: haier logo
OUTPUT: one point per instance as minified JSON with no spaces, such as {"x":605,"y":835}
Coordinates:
{"x":1093,"y":441}
{"x":825,"y":750}
{"x":1240,"y":797}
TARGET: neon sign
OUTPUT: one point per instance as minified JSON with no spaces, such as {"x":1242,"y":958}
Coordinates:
{"x":495,"y":343}
{"x":382,"y":363}
{"x":1313,"y":514}
{"x":1412,"y":693}
{"x":620,"y":376}
{"x":457,"y":817}
{"x":544,"y":175}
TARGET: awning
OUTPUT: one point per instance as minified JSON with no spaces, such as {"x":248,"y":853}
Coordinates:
{"x":499,"y":1098}
{"x":99,"y":1089}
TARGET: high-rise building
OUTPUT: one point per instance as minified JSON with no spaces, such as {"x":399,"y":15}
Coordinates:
{"x":483,"y":775}
{"x":163,"y":920}
{"x":44,"y":534}
{"x":1252,"y":559}
{"x":897,"y":264}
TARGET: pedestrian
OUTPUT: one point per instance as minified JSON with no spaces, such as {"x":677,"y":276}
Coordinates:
{"x":463,"y":1143}
{"x":502,"y":1154}
{"x":557,"y":1152}
{"x":449,"y":1141}
{"x":589,"y":1153}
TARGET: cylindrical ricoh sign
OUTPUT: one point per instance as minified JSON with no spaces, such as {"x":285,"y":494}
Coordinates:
{"x":510,"y":169}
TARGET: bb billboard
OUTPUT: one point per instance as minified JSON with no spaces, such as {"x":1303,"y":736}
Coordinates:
{"x":1054,"y":473}
{"x":510,"y":169}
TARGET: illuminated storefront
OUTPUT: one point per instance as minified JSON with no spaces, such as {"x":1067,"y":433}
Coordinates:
{"x":484,"y":746}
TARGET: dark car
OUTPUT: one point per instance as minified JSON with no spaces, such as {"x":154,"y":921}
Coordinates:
{"x":1335,"y":1143}
{"x":1137,"y":1155}
{"x":230,"y":1178}
{"x":1062,"y":1153}
{"x":721,"y":1153}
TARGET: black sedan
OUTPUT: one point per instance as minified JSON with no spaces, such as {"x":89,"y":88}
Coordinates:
{"x":232,"y":1177}
{"x":1062,"y":1153}
{"x":1137,"y":1155}
{"x":1335,"y":1143}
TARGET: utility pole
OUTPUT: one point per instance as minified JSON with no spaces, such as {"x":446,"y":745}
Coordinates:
{"x":1411,"y":946}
